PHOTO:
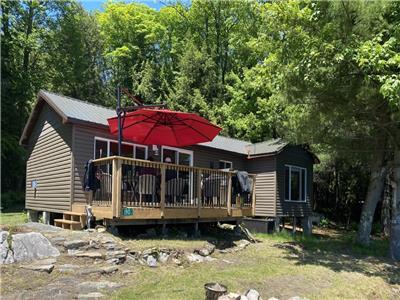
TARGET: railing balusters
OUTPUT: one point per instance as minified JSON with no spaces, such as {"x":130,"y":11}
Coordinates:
{"x":125,"y":182}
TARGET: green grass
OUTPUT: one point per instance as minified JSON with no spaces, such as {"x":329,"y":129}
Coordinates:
{"x":281,"y":266}
{"x":12,"y":219}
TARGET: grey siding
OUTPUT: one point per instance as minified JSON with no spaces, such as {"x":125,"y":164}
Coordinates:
{"x":264,"y":167}
{"x":293,"y":155}
{"x":49,"y":163}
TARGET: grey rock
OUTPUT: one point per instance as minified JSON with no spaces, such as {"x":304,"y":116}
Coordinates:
{"x":115,"y":254}
{"x":25,"y":247}
{"x":114,"y":261}
{"x":41,"y":227}
{"x":57,"y":240}
{"x":242,"y":297}
{"x":126,"y":272}
{"x":177,"y":261}
{"x":68,"y":268}
{"x":194,"y":258}
{"x":90,"y":271}
{"x":252,"y":294}
{"x":40,"y":268}
{"x":110,"y":246}
{"x":207,"y":250}
{"x":89,"y":254}
{"x":109,"y":270}
{"x":46,"y":261}
{"x":92,"y":286}
{"x":230,"y":296}
{"x":75,"y":244}
{"x":163,"y":257}
{"x":93,"y":295}
{"x":151,"y":261}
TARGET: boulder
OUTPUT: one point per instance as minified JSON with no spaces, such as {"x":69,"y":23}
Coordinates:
{"x":163,"y":257}
{"x":40,"y":268}
{"x":151,"y":261}
{"x":207,"y":250}
{"x":252,"y":294}
{"x":75,"y":244}
{"x":194,"y":258}
{"x":25,"y":247}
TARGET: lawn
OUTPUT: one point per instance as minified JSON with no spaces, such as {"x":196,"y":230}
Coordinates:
{"x":13,"y":218}
{"x":329,"y":266}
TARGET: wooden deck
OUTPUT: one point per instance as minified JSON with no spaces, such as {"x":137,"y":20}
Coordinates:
{"x":131,"y":189}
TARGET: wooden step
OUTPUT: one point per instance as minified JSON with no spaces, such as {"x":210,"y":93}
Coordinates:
{"x":75,"y":216}
{"x":74,"y":213}
{"x":68,"y":224}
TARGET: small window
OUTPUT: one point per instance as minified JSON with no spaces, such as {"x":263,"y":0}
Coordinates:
{"x":224,"y":164}
{"x":295,"y":183}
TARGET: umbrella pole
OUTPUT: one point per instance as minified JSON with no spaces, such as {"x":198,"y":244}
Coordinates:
{"x":119,"y":112}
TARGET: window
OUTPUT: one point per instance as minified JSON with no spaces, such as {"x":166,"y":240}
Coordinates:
{"x":105,"y":147}
{"x":295,"y":183}
{"x":224,"y":164}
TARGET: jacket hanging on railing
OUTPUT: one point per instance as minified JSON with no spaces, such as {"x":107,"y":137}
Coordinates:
{"x":91,"y":183}
{"x":245,"y":182}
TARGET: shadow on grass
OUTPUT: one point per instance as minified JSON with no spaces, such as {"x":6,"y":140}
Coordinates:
{"x":219,"y":237}
{"x":341,"y":253}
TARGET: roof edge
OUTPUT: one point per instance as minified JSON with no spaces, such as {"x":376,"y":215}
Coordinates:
{"x":41,"y":98}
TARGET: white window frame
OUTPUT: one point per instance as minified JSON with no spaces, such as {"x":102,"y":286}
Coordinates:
{"x":177,"y":150}
{"x":290,"y":184}
{"x":97,"y":138}
{"x":226,"y":161}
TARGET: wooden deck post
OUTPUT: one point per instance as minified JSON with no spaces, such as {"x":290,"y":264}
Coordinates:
{"x":294,"y":225}
{"x":198,"y":192}
{"x":229,"y":202}
{"x":162,"y":191}
{"x":116,"y":187}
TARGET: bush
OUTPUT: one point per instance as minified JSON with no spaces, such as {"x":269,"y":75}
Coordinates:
{"x":12,"y":200}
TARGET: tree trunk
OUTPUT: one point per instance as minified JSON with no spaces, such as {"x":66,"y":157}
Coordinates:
{"x":375,"y":189}
{"x":386,"y":205}
{"x":395,"y":224}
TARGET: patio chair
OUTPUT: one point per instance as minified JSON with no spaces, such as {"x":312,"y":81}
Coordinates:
{"x":211,"y":188}
{"x":175,"y":188}
{"x":147,"y":186}
{"x":103,"y":193}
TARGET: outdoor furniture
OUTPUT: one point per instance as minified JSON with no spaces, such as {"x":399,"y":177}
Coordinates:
{"x":147,"y":186}
{"x":104,"y":191}
{"x":175,"y":188}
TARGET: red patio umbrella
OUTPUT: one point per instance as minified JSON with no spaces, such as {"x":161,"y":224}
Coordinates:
{"x":164,"y":127}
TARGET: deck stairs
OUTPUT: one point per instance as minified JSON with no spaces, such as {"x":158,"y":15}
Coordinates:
{"x":71,"y":220}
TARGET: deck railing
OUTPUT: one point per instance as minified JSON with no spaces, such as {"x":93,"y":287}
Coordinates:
{"x":126,"y":182}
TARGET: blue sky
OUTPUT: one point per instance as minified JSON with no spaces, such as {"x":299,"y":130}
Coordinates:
{"x":91,"y":5}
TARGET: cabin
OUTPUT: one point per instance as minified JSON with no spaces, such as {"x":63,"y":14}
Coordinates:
{"x":154,"y":184}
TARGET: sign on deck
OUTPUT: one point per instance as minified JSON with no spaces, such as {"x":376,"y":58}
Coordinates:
{"x":127,"y":211}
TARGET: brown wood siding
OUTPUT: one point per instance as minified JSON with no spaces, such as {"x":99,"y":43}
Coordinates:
{"x":264,"y":167}
{"x":293,"y":155}
{"x":203,"y":157}
{"x":49,"y":163}
{"x":83,"y":151}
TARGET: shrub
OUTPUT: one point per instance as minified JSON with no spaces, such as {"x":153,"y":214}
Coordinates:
{"x":12,"y":200}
